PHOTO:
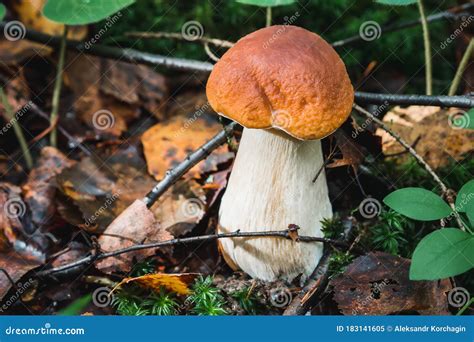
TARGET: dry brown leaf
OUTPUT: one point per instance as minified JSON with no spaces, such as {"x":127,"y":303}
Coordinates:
{"x":181,"y":207}
{"x":110,"y":94}
{"x":15,"y":52}
{"x":378,"y":284}
{"x":30,"y":14}
{"x":352,"y":153}
{"x":134,"y":226}
{"x":427,"y":129}
{"x":177,"y":283}
{"x":167,"y":144}
{"x":40,"y":189}
{"x":16,"y":266}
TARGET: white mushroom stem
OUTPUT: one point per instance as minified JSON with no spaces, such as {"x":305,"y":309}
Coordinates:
{"x":270,"y":187}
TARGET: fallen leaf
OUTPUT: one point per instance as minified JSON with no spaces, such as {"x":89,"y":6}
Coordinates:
{"x":177,"y":283}
{"x":30,"y":13}
{"x":352,"y":153}
{"x":134,"y":226}
{"x":378,"y":284}
{"x":16,"y":266}
{"x":110,"y":94}
{"x":40,"y":189}
{"x":168,"y":143}
{"x":428,"y":129}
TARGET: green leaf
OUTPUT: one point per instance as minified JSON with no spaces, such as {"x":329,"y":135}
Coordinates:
{"x":267,"y":3}
{"x":444,"y":253}
{"x":418,"y":204}
{"x":77,"y":306}
{"x":396,"y":2}
{"x":82,"y":12}
{"x":470,"y":212}
{"x":3,"y":11}
{"x":465,"y":196}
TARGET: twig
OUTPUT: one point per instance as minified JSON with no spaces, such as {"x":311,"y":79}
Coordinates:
{"x":284,"y":234}
{"x":427,"y":44}
{"x":423,"y":100}
{"x":316,"y":282}
{"x":57,"y":88}
{"x":454,"y":13}
{"x":462,"y":66}
{"x":444,"y":189}
{"x":134,"y":56}
{"x":210,"y":53}
{"x":173,"y":175}
{"x":10,"y":115}
{"x":179,"y":36}
{"x":268,"y":21}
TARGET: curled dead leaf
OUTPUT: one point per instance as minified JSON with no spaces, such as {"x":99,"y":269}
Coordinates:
{"x":177,"y":283}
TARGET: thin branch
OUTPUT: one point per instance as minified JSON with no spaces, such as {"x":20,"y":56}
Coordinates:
{"x":268,"y":21}
{"x":134,"y":56}
{"x":461,"y":68}
{"x":452,"y":13}
{"x":200,"y":154}
{"x":284,"y":234}
{"x":421,"y":100}
{"x":10,"y":116}
{"x":444,"y":189}
{"x":57,"y":88}
{"x":179,"y":36}
{"x":210,"y":53}
{"x":427,"y":44}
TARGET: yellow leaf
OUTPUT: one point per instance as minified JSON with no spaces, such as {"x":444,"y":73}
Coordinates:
{"x":177,"y":283}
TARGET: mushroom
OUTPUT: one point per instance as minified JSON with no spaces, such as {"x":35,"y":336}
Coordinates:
{"x":289,"y":89}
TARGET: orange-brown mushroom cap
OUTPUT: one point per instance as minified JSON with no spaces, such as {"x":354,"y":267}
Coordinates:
{"x":282,"y":77}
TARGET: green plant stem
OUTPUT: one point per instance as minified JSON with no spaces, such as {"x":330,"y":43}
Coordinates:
{"x":461,"y":68}
{"x":269,"y":16}
{"x":465,"y":307}
{"x":426,"y":39}
{"x":57,"y":89}
{"x":10,"y":115}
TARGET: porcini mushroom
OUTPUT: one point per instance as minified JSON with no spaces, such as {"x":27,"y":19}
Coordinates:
{"x":289,"y":89}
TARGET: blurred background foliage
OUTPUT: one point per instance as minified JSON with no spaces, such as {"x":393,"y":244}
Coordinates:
{"x":398,"y":54}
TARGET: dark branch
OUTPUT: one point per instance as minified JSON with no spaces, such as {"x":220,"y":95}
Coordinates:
{"x":134,"y":56}
{"x":284,"y":234}
{"x":200,"y":154}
